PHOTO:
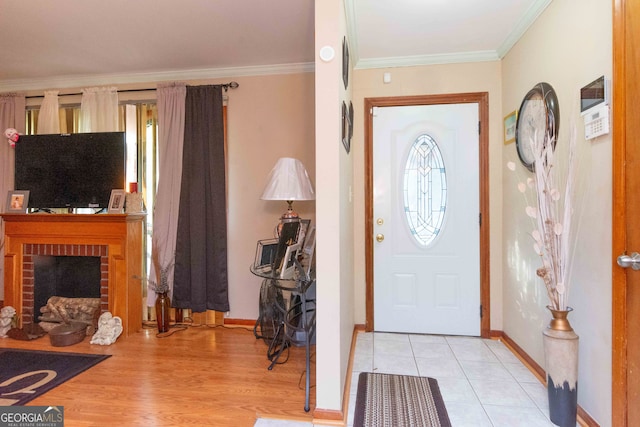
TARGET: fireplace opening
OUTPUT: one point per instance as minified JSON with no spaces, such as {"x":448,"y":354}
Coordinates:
{"x":65,"y":276}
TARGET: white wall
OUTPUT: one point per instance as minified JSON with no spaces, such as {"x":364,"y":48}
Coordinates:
{"x":423,"y":80}
{"x":568,"y":46}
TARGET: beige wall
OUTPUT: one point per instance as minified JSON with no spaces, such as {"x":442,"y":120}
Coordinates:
{"x":334,"y":212}
{"x":269,"y":117}
{"x":568,"y":46}
{"x":424,"y":80}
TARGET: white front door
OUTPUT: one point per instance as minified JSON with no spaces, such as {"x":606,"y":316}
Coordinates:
{"x":426,"y":214}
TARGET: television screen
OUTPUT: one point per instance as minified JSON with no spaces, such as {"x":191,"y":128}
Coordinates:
{"x":70,"y":170}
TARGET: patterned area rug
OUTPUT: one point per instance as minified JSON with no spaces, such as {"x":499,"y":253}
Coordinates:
{"x":26,"y":374}
{"x":399,"y":400}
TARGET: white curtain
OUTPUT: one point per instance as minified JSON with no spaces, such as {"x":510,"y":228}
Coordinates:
{"x":171,"y":113}
{"x":49,"y":117}
{"x":99,"y":110}
{"x":12,"y":115}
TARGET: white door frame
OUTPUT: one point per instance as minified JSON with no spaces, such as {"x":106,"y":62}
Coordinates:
{"x":482,"y":99}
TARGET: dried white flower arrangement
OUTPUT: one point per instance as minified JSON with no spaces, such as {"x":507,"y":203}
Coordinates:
{"x":552,"y":215}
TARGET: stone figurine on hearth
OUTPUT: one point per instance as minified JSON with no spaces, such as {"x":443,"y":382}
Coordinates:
{"x":109,"y":329}
{"x":7,"y":315}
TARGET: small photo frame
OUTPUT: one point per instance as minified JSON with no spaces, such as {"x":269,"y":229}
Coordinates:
{"x":116,"y":201}
{"x":510,"y":128}
{"x":288,"y":237}
{"x":17,"y":201}
{"x":308,"y":251}
{"x":265,"y":254}
{"x":289,"y":263}
{"x":302,"y":232}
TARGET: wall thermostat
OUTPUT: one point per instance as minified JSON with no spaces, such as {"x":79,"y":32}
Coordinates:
{"x":596,"y":123}
{"x":594,"y":108}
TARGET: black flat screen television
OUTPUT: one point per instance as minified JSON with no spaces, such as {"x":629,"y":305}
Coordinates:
{"x":70,"y":170}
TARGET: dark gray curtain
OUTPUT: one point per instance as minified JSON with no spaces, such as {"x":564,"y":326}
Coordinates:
{"x":200,"y":280}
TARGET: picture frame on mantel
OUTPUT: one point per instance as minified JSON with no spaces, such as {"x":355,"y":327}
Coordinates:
{"x":116,"y":201}
{"x":17,"y":201}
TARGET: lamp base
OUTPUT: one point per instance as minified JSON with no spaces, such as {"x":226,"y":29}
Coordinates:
{"x":290,"y":213}
{"x":289,"y":216}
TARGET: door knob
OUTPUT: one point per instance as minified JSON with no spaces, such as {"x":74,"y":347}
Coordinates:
{"x":379,"y":237}
{"x":633,"y":261}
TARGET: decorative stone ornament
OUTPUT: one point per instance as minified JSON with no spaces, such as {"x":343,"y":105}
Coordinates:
{"x":6,"y":317}
{"x":109,"y":329}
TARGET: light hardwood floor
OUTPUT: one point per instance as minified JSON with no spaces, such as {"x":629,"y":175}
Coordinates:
{"x":200,"y":376}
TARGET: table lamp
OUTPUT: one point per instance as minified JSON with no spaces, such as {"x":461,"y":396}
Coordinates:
{"x":288,"y":181}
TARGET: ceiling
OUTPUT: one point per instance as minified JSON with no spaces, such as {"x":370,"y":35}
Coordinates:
{"x":70,"y":43}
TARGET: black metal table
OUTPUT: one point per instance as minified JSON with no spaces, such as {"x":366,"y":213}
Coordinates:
{"x":299,"y":317}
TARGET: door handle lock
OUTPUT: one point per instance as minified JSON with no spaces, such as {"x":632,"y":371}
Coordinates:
{"x":633,"y":261}
{"x":379,"y":237}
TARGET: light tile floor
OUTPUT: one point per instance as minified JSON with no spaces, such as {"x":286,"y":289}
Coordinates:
{"x":482,"y":382}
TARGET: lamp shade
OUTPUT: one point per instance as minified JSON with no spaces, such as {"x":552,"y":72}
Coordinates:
{"x":288,"y":180}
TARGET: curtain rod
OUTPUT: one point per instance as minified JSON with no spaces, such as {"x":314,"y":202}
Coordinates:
{"x":226,"y":86}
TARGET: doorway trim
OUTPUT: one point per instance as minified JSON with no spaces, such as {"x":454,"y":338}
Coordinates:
{"x":624,"y":307}
{"x":482,"y":99}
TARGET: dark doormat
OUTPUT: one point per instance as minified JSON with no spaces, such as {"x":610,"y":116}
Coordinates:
{"x":27,"y":374}
{"x":386,"y":400}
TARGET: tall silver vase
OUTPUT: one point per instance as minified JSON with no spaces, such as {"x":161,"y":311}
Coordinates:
{"x":561,"y":362}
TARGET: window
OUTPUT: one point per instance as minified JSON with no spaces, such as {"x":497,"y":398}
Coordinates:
{"x":425,"y":190}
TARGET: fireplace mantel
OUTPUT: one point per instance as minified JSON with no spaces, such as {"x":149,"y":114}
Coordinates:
{"x":121,"y":233}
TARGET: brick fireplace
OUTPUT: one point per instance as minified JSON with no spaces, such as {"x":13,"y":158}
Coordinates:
{"x":29,"y":310}
{"x":117,"y":238}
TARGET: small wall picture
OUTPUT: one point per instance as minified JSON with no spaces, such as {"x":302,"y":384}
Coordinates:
{"x":345,"y":128}
{"x":510,"y":128}
{"x":345,"y":62}
{"x":17,"y":201}
{"x":116,"y":201}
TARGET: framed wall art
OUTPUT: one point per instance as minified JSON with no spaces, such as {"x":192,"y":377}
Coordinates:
{"x":346,"y":128}
{"x":345,"y":62}
{"x":510,"y":128}
{"x":350,"y":122}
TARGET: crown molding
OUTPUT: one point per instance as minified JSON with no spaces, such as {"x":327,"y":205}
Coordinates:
{"x":352,"y":24}
{"x":62,"y":82}
{"x":530,"y":16}
{"x":409,"y":61}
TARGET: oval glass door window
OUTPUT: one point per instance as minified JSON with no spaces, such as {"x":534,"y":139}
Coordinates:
{"x":425,"y":190}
